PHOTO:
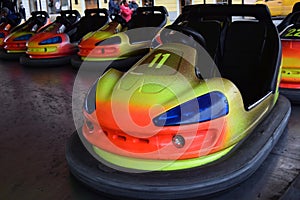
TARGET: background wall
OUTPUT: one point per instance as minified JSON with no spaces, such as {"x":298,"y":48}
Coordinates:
{"x":173,"y":6}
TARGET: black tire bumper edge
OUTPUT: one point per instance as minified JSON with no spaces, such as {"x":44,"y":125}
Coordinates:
{"x":184,"y":184}
{"x":76,"y":61}
{"x":292,"y":94}
{"x":47,"y":62}
{"x":10,"y":56}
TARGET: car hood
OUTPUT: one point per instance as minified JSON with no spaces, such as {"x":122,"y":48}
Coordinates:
{"x":12,"y":36}
{"x":148,"y":88}
{"x":44,"y":36}
{"x":90,"y":40}
{"x":96,"y":37}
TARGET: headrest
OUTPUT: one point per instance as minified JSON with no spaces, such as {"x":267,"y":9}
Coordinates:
{"x":296,"y":7}
{"x":97,"y":11}
{"x":64,"y":13}
{"x":153,"y":9}
{"x":40,"y":13}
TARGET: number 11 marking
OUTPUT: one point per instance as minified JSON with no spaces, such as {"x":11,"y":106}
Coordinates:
{"x":161,"y":62}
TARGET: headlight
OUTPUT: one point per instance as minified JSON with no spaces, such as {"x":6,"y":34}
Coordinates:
{"x":90,"y":99}
{"x":23,"y":37}
{"x":206,"y":107}
{"x":110,"y":41}
{"x":53,"y":40}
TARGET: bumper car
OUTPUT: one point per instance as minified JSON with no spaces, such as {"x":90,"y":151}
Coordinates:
{"x":188,"y":119}
{"x":15,"y":42}
{"x":8,"y":27}
{"x":55,"y":47}
{"x":111,"y":43}
{"x":51,"y":41}
{"x":290,"y":40}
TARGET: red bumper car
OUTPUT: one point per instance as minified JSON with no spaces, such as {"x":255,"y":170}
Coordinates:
{"x":119,"y":45}
{"x":15,"y":42}
{"x":55,"y":46}
{"x":290,"y":39}
{"x":7,"y":27}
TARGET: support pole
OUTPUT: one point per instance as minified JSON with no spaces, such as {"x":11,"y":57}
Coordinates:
{"x":71,"y":5}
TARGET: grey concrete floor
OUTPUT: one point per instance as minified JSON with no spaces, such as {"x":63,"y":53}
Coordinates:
{"x":36,"y":121}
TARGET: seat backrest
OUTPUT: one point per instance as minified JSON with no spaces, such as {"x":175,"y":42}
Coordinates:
{"x":295,"y":18}
{"x":250,"y":50}
{"x":146,"y":20}
{"x":68,"y":17}
{"x":72,"y":19}
{"x":296,"y":7}
{"x":155,"y":16}
{"x":292,"y":18}
{"x":157,"y":20}
{"x":85,"y":25}
{"x":149,"y":17}
{"x":244,"y":46}
{"x":211,"y":31}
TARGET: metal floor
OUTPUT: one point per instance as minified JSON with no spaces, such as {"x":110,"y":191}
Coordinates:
{"x":36,"y":121}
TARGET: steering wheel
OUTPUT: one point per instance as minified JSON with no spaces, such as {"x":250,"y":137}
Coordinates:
{"x":118,"y":18}
{"x":171,"y":34}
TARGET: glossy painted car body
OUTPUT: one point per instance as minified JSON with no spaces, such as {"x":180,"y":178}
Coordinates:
{"x":188,"y":119}
{"x":57,"y":43}
{"x":16,"y":41}
{"x":289,"y":30}
{"x":151,"y":114}
{"x":4,"y":31}
{"x":39,"y":47}
{"x":88,"y":48}
{"x":7,"y":27}
{"x":290,"y":75}
{"x":119,"y":45}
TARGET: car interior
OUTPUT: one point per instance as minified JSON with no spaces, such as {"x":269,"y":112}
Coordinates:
{"x":292,"y":18}
{"x":92,"y":21}
{"x":156,"y":16}
{"x":66,"y":19}
{"x":35,"y":22}
{"x":241,"y":48}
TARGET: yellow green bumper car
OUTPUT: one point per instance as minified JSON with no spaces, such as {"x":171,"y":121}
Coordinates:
{"x":195,"y":116}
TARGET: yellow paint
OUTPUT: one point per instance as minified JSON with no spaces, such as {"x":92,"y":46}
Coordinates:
{"x":290,"y":62}
{"x":42,"y":50}
{"x":159,"y":165}
{"x":292,"y":74}
{"x":102,"y":59}
{"x":173,"y":86}
{"x":16,"y":51}
{"x":279,"y":7}
{"x":171,"y":5}
{"x":80,"y":6}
